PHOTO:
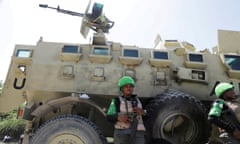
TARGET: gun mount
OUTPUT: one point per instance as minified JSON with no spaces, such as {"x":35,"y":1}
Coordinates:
{"x":95,"y":20}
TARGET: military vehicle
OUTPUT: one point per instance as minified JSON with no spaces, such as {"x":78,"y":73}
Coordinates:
{"x":63,"y":90}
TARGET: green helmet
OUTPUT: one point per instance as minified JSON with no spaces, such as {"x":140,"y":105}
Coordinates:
{"x":124,"y":81}
{"x":221,"y":88}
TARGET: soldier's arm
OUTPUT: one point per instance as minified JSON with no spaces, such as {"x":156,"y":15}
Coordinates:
{"x":112,"y":114}
{"x":215,"y":114}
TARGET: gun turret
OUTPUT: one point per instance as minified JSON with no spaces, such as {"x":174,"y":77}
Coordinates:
{"x":96,"y":20}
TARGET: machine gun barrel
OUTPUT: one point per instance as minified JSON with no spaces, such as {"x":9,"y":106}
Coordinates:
{"x":62,"y":10}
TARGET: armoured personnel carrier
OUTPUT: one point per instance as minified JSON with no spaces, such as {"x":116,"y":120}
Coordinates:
{"x":63,"y":90}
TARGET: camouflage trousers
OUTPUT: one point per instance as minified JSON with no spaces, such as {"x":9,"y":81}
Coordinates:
{"x":123,"y":136}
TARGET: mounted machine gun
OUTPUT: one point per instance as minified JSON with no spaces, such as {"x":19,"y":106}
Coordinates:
{"x":95,"y":20}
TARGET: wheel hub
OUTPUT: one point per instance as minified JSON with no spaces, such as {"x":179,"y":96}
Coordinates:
{"x":178,"y":127}
{"x":66,"y":139}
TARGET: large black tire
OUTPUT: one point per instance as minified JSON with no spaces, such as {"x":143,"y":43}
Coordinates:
{"x":178,"y":118}
{"x":68,"y":129}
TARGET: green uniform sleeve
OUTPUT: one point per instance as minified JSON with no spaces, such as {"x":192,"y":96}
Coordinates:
{"x":112,"y":108}
{"x":216,"y":109}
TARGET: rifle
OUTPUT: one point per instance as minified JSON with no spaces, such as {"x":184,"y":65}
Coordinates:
{"x":134,"y":123}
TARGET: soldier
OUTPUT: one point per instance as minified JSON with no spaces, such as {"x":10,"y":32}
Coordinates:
{"x":224,"y":113}
{"x":126,"y":113}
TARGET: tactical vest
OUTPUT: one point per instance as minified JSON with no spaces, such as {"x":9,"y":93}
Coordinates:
{"x":127,"y":109}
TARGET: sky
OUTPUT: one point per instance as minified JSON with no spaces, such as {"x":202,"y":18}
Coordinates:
{"x":137,"y":22}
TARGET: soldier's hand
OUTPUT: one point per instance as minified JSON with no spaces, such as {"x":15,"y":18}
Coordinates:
{"x":236,"y":134}
{"x":138,"y":111}
{"x":123,"y":118}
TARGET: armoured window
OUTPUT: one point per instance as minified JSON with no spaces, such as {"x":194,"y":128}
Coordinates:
{"x":233,"y":61}
{"x":195,"y":57}
{"x":160,"y":55}
{"x":23,"y":53}
{"x":100,"y":51}
{"x":68,"y":70}
{"x":130,"y":53}
{"x":70,"y":49}
{"x":100,"y":54}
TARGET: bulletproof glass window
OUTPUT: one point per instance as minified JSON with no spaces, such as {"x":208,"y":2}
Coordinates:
{"x":100,"y":51}
{"x":195,"y":57}
{"x":160,"y":55}
{"x":233,"y":61}
{"x":70,"y":49}
{"x":130,"y":53}
{"x":23,"y":53}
